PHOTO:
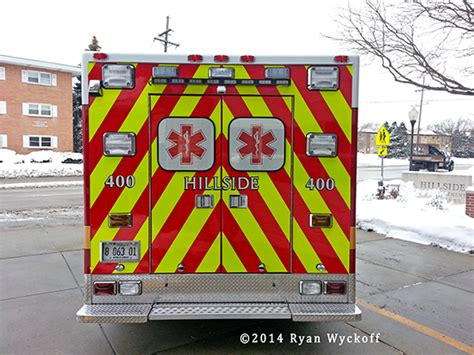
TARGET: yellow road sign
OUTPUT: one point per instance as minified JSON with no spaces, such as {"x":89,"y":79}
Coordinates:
{"x":382,"y":137}
{"x":382,"y":151}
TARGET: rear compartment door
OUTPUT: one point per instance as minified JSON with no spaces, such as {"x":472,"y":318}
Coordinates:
{"x":256,"y":183}
{"x":185,"y":174}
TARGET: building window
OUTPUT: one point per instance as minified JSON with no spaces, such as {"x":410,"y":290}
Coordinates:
{"x":3,"y":141}
{"x":38,"y":78}
{"x":3,"y":107}
{"x":40,"y":110}
{"x":2,"y":73}
{"x":40,"y":141}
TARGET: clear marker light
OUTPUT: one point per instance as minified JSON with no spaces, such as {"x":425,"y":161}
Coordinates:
{"x":130,"y":288}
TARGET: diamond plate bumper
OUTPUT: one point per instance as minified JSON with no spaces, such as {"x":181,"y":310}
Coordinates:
{"x":141,"y":313}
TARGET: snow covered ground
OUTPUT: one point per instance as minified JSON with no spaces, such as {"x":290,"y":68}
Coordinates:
{"x":365,"y":160}
{"x":421,"y":216}
{"x":37,"y":164}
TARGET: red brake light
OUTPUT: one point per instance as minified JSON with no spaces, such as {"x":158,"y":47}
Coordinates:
{"x":195,"y":58}
{"x":221,"y":58}
{"x":341,"y":58}
{"x":335,"y":288}
{"x":100,"y":56}
{"x":247,"y":58}
{"x":105,"y":288}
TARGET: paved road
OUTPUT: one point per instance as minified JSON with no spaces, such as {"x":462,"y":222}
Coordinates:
{"x":419,"y":298}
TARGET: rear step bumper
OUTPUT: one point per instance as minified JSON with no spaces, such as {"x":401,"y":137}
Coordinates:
{"x":141,"y":313}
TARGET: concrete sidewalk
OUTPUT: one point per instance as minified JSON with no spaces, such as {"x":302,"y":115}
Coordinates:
{"x":41,"y":278}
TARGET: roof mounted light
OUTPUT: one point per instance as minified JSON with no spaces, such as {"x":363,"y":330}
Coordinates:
{"x":341,"y":58}
{"x":277,"y":73}
{"x":165,"y":72}
{"x":247,"y":58}
{"x":220,"y":58}
{"x":221,"y":73}
{"x":100,"y":56}
{"x":195,"y":58}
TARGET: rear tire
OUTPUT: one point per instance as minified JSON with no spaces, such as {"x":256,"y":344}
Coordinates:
{"x":451,"y":167}
{"x":433,"y":167}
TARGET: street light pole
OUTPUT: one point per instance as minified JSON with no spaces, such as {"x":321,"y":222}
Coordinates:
{"x":413,"y":114}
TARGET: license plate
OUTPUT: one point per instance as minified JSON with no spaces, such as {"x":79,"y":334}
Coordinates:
{"x":120,"y":252}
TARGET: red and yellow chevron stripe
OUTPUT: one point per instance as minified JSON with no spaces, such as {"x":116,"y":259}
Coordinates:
{"x":271,"y":235}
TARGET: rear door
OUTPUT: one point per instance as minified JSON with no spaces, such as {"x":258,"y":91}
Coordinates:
{"x":256,"y":173}
{"x":220,"y":183}
{"x":185,"y":171}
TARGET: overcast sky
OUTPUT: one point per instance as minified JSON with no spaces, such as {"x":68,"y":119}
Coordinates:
{"x":59,"y":31}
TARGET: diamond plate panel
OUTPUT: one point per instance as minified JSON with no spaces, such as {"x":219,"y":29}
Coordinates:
{"x":307,"y":312}
{"x":189,"y":288}
{"x":169,"y":311}
{"x":114,"y":313}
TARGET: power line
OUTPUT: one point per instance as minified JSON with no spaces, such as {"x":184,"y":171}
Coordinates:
{"x":163,"y":37}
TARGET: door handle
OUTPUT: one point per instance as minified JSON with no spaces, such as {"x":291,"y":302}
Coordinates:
{"x":238,"y":201}
{"x":204,"y":201}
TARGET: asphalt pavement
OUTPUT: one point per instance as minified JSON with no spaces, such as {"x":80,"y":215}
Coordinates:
{"x":415,"y":299}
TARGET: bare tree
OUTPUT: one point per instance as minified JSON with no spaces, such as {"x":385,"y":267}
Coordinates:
{"x":461,"y":132}
{"x":426,"y":43}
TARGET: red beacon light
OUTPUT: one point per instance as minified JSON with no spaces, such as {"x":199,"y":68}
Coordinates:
{"x":100,"y":56}
{"x":195,"y":58}
{"x":341,"y":58}
{"x":247,"y":59}
{"x":221,"y":58}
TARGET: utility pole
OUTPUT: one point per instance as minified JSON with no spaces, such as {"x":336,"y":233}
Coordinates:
{"x":163,"y":37}
{"x":419,"y":117}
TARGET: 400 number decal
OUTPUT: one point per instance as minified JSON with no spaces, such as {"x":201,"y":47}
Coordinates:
{"x":120,"y":181}
{"x":321,"y":184}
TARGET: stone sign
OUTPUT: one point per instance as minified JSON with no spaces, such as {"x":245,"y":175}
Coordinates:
{"x":453,"y":184}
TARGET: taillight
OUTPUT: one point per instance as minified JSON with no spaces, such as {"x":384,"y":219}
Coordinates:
{"x":100,"y":56}
{"x":335,"y":288}
{"x":341,"y":58}
{"x":221,"y":58}
{"x":195,"y":58}
{"x":105,"y":288}
{"x":247,"y":59}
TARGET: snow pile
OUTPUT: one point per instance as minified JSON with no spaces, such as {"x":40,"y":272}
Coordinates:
{"x":421,"y":216}
{"x":40,"y":163}
{"x":364,"y":160}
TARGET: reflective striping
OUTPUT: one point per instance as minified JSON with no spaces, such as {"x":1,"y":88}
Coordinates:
{"x":278,"y":237}
{"x":256,"y":237}
{"x":319,"y":112}
{"x":99,"y":109}
{"x":212,"y":260}
{"x":230,"y":259}
{"x":250,"y":236}
{"x":313,"y":199}
{"x":340,"y":110}
{"x":333,"y":166}
{"x":349,"y":68}
{"x":166,"y":226}
{"x":124,"y":203}
{"x":90,"y":66}
{"x":195,"y":223}
{"x":238,"y":243}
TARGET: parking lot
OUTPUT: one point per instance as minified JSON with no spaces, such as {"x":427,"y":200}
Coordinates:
{"x":415,"y":299}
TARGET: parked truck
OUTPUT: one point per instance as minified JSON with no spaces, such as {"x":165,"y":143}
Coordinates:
{"x":431,"y":158}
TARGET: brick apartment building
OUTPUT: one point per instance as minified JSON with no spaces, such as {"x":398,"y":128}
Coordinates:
{"x":35,"y":105}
